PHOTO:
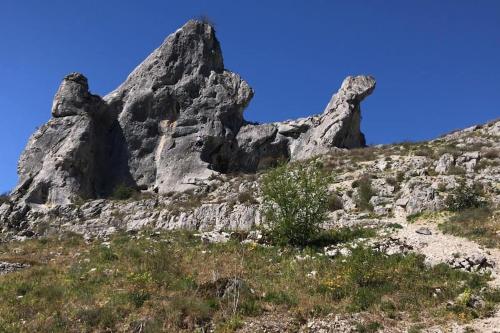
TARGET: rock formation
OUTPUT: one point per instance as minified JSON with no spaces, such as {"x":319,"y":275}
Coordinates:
{"x":174,"y":122}
{"x":338,"y":126}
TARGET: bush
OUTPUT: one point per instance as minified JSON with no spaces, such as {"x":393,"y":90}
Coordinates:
{"x":393,"y":182}
{"x":456,"y":170}
{"x":365,"y":193}
{"x":295,"y":203}
{"x":491,"y":153}
{"x":478,"y":224}
{"x":335,"y":202}
{"x":4,"y":198}
{"x":464,"y":197}
{"x":247,"y":197}
{"x":123,"y":192}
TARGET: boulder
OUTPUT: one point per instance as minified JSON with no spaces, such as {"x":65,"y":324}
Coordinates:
{"x":444,"y":163}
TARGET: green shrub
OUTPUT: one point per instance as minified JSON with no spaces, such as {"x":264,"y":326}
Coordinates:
{"x":400,"y":176}
{"x":123,"y":192}
{"x":491,"y":153}
{"x":370,"y":327}
{"x":335,"y":202}
{"x":295,"y":202}
{"x":393,"y":182}
{"x":4,"y":197}
{"x":365,"y":193}
{"x":464,"y":197}
{"x":247,"y":197}
{"x":456,"y":170}
{"x":139,"y":297}
{"x":340,"y":235}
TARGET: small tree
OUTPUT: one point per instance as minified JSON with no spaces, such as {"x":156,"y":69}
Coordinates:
{"x":295,"y":202}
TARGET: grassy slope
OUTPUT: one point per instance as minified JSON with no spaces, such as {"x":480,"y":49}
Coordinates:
{"x":172,"y":282}
{"x":479,"y":224}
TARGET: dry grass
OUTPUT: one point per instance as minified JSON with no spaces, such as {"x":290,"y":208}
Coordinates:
{"x":479,"y":224}
{"x":172,"y":282}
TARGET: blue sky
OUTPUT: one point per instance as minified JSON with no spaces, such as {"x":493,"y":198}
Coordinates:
{"x":437,"y":63}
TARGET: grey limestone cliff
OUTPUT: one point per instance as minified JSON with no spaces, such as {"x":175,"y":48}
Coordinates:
{"x":176,"y":121}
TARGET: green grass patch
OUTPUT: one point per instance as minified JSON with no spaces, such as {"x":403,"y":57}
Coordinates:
{"x":479,"y":224}
{"x":174,"y":283}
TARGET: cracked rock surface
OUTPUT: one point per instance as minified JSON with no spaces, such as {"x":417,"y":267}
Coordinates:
{"x":175,"y":122}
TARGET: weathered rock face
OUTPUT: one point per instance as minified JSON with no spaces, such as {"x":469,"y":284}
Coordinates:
{"x":175,"y":121}
{"x":180,"y":111}
{"x":338,"y":126}
{"x":65,"y":158}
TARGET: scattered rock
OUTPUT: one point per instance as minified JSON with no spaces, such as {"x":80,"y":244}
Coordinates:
{"x":7,"y":267}
{"x":423,"y":231}
{"x":332,"y":324}
{"x":215,"y":237}
{"x":444,"y":163}
{"x":474,"y":262}
{"x":390,"y":246}
{"x":338,"y":250}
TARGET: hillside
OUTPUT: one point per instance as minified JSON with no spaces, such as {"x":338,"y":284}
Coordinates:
{"x":119,"y":268}
{"x":144,"y":211}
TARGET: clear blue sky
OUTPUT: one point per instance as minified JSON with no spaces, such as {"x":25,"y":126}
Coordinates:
{"x":437,"y":63}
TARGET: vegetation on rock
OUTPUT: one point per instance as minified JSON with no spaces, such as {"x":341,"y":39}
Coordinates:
{"x":4,"y":197}
{"x":123,"y":192}
{"x":479,"y":224}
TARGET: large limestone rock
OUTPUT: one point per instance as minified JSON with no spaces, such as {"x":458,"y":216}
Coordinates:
{"x":174,"y":122}
{"x":180,"y":111}
{"x":66,"y":157}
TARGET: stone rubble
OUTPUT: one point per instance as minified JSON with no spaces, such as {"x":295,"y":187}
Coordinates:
{"x":473,"y":262}
{"x":7,"y":267}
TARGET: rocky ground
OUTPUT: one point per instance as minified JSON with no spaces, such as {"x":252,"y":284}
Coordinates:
{"x":398,"y":190}
{"x":371,"y":186}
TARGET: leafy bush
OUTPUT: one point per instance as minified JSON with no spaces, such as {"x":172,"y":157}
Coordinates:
{"x":247,"y":197}
{"x":340,"y":235}
{"x":456,"y":170}
{"x":393,"y":182}
{"x":491,"y":153}
{"x":295,"y":202}
{"x":371,"y":327}
{"x":365,"y":193}
{"x":123,"y":192}
{"x":464,"y":197}
{"x":335,"y":202}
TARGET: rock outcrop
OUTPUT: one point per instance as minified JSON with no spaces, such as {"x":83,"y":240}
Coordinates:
{"x":176,"y":121}
{"x":338,"y":126}
{"x":67,"y":157}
